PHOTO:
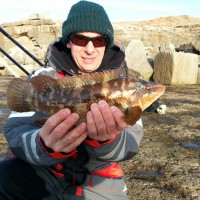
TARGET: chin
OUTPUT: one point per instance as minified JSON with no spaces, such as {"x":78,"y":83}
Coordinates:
{"x":89,"y":68}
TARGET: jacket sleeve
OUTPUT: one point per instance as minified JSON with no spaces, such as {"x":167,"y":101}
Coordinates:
{"x":123,"y":147}
{"x":22,"y":134}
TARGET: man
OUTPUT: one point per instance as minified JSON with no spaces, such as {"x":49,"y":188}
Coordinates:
{"x":59,"y":160}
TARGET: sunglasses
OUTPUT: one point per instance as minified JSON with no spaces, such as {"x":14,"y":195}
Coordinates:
{"x":82,"y":41}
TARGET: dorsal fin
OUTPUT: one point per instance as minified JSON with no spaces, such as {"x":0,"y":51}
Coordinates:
{"x":42,"y":83}
{"x":45,"y":83}
{"x":87,"y":79}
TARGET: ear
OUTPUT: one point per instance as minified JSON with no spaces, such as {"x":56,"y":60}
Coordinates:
{"x":69,"y":45}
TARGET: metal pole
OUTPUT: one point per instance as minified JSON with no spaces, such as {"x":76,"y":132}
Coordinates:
{"x":16,"y":63}
{"x":20,"y":46}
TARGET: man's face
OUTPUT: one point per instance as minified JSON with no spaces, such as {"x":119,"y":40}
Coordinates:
{"x":88,"y":58}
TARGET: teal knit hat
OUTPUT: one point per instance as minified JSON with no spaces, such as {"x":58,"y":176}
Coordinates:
{"x":86,"y":16}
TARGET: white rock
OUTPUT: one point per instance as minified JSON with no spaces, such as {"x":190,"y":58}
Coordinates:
{"x":161,"y":109}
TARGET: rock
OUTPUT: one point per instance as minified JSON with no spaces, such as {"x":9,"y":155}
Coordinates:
{"x":22,"y":59}
{"x":37,"y":31}
{"x":137,"y":60}
{"x":157,"y":107}
{"x":175,"y":68}
{"x":167,"y":47}
{"x":28,"y":68}
{"x":34,"y":34}
{"x":19,"y":55}
{"x":185,"y":47}
{"x":161,"y":109}
{"x":38,"y":16}
{"x":198,"y":76}
{"x":196,"y":44}
{"x":156,"y":32}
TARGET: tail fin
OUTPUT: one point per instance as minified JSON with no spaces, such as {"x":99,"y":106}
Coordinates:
{"x":19,"y":95}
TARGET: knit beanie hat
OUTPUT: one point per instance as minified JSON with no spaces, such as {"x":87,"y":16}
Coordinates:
{"x":86,"y":16}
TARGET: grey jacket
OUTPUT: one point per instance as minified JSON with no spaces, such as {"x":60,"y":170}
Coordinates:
{"x":23,"y":138}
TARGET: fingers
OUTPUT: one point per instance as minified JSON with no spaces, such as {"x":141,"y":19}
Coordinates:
{"x":71,"y":139}
{"x":54,"y":120}
{"x":97,"y":123}
{"x":91,"y":126}
{"x":118,"y":117}
{"x":104,"y":122}
{"x":58,"y":134}
{"x":75,"y":137}
{"x":60,"y":130}
{"x":108,"y":122}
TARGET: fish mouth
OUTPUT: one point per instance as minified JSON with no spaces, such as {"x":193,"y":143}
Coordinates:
{"x":156,"y":88}
{"x":152,"y":94}
{"x":159,"y":88}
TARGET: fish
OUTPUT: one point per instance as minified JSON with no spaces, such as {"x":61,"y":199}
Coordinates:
{"x":48,"y":95}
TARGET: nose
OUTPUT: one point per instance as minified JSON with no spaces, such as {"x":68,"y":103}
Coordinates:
{"x":89,"y":48}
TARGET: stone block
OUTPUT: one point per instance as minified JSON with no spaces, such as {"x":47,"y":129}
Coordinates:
{"x":137,"y":60}
{"x":176,"y":68}
{"x":18,"y":71}
{"x":198,"y":76}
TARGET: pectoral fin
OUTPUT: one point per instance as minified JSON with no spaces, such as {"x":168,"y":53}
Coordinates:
{"x":132,"y":115}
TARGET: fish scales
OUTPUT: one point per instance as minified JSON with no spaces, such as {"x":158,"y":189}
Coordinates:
{"x":87,"y":79}
{"x":48,"y":95}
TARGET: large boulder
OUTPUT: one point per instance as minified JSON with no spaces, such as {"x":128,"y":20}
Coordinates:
{"x":137,"y":60}
{"x":175,"y":68}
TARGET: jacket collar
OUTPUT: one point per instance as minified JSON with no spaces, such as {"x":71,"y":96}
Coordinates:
{"x":61,"y":58}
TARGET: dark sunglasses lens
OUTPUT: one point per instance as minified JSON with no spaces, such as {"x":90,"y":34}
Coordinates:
{"x":83,"y":41}
{"x":99,"y":41}
{"x":79,"y":40}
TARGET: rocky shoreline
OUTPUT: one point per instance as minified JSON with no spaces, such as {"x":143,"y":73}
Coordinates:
{"x":142,"y":41}
{"x":167,"y":165}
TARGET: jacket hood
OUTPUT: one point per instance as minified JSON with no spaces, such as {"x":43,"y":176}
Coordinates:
{"x":59,"y":57}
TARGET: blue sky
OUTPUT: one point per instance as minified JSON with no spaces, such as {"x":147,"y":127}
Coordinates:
{"x":118,"y":10}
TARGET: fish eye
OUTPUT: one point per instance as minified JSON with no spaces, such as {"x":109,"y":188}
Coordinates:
{"x":148,"y":89}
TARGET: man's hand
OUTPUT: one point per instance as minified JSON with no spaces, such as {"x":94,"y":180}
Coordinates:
{"x":104,"y":122}
{"x":58,"y":134}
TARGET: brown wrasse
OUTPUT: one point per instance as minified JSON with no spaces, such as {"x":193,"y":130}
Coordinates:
{"x":48,"y":95}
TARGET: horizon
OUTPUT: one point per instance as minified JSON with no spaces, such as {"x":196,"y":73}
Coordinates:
{"x":48,"y":16}
{"x":120,"y":11}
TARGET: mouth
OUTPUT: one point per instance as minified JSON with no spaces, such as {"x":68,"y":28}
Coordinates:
{"x":87,"y":60}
